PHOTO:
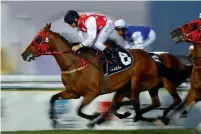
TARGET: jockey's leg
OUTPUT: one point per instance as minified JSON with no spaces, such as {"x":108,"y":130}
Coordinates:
{"x":102,"y":37}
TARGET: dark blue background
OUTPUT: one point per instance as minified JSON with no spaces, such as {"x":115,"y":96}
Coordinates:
{"x":165,"y":17}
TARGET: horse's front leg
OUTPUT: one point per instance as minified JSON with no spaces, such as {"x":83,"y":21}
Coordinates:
{"x":87,"y":99}
{"x":116,"y":104}
{"x":66,"y":94}
{"x":155,"y":100}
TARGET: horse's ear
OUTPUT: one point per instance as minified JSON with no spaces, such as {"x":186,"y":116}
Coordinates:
{"x":47,"y":27}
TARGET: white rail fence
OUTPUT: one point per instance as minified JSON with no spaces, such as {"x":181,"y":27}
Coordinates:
{"x":31,"y":81}
{"x":40,"y":81}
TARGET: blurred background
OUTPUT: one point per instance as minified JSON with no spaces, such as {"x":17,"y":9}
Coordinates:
{"x":21,"y":20}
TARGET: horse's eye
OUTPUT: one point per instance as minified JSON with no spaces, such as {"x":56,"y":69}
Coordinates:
{"x":194,"y":26}
{"x":38,"y":40}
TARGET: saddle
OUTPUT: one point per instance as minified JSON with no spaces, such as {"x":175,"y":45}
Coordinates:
{"x":156,"y":57}
{"x":123,"y":56}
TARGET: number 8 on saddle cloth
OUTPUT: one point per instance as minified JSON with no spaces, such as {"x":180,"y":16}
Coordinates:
{"x":125,"y":61}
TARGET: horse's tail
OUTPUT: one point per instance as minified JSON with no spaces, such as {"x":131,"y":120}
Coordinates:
{"x":175,"y":75}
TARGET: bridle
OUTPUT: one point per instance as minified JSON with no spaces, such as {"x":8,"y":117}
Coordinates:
{"x":195,"y":35}
{"x":42,"y":47}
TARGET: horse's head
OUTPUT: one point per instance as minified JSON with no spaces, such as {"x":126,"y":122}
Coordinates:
{"x":190,"y":32}
{"x":39,"y":46}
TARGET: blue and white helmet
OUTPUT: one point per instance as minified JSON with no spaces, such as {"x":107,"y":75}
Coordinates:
{"x":121,"y":23}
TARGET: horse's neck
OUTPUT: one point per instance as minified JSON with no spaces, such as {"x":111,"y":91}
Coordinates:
{"x":197,"y":54}
{"x":64,"y":60}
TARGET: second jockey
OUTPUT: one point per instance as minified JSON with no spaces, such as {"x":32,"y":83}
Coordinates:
{"x":136,"y":37}
{"x":98,"y":28}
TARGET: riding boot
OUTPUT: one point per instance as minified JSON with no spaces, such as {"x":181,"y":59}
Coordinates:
{"x":111,"y":56}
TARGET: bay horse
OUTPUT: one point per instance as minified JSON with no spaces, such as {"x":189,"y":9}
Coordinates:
{"x":169,"y":61}
{"x":191,"y":33}
{"x":82,"y":72}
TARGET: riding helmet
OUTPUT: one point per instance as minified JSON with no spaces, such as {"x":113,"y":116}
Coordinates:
{"x":71,"y":16}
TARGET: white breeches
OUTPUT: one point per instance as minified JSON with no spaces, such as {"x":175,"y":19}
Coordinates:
{"x":104,"y":35}
{"x":146,"y":43}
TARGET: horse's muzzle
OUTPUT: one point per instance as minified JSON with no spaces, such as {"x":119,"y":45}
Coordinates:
{"x":27,"y":57}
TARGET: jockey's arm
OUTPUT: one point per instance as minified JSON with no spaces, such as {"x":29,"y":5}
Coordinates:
{"x":90,"y":24}
{"x":82,"y":36}
{"x":137,"y":40}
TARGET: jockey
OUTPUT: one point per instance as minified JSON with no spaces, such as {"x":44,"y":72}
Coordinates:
{"x":136,"y":37}
{"x":98,"y":28}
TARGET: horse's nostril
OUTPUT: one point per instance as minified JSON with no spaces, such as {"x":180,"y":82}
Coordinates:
{"x":24,"y":56}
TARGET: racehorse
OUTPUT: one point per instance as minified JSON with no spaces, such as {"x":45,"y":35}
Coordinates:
{"x":168,"y":60}
{"x":82,"y":72}
{"x":191,"y":33}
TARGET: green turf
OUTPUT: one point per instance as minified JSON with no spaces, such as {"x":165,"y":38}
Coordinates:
{"x":156,"y":131}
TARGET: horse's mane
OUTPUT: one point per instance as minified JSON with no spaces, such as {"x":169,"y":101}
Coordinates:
{"x":85,"y":49}
{"x":64,"y":39}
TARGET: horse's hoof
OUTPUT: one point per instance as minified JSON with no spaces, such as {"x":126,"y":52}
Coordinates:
{"x":127,"y":114}
{"x":159,"y":123}
{"x":183,"y":116}
{"x":122,"y":116}
{"x":90,"y":125}
{"x":165,"y":120}
{"x":136,"y":119}
{"x":54,"y":123}
{"x":96,"y":114}
{"x":101,"y":121}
